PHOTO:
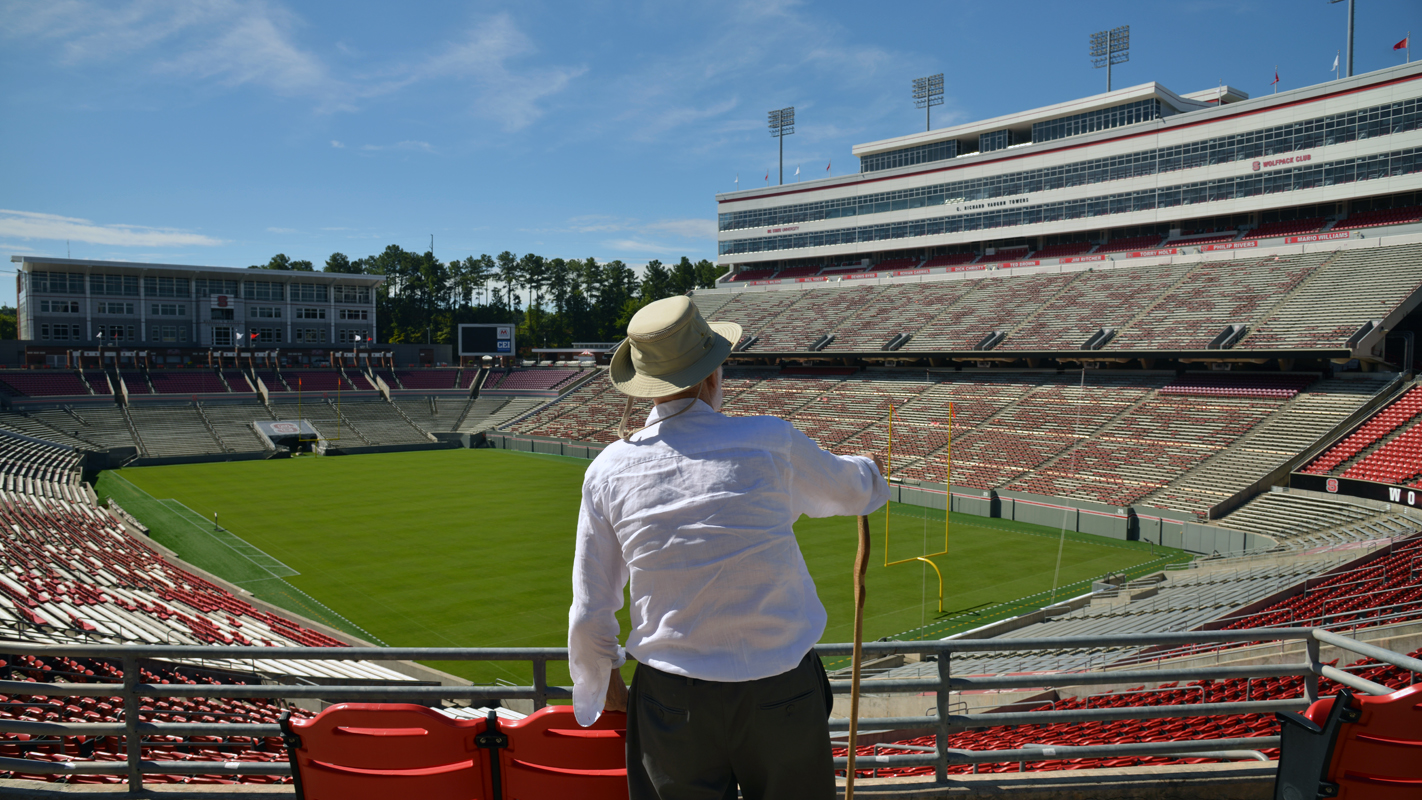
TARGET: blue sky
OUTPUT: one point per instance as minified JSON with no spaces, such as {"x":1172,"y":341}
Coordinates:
{"x":224,"y":131}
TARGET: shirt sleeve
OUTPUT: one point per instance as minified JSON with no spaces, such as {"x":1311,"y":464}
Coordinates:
{"x":827,"y":485}
{"x":599,"y":576}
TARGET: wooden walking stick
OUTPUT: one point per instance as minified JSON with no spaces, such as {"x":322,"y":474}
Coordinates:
{"x":861,"y":566}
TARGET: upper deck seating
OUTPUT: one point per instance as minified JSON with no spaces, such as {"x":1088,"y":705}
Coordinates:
{"x":271,"y":380}
{"x":1108,"y":298}
{"x":1205,"y":384}
{"x":237,"y":381}
{"x":844,"y":269}
{"x":1374,"y":219}
{"x":187,"y":381}
{"x":1357,"y":286}
{"x":896,"y":263}
{"x":1291,"y":228}
{"x":802,"y":324}
{"x":1151,"y":242}
{"x":992,"y":304}
{"x":799,"y":272}
{"x":311,"y":380}
{"x":1007,"y":254}
{"x":750,"y":275}
{"x":99,"y":381}
{"x":893,"y":310}
{"x":358,"y":381}
{"x":1064,"y":250}
{"x":42,"y":383}
{"x":135,"y":381}
{"x":1398,"y":461}
{"x":951,"y":260}
{"x":173,"y":430}
{"x":543,"y":379}
{"x":1397,"y":414}
{"x":1214,"y":295}
{"x":233,"y":424}
{"x":435,"y":378}
{"x":753,"y":311}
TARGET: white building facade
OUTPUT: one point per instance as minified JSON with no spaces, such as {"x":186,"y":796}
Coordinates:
{"x":1140,"y":161}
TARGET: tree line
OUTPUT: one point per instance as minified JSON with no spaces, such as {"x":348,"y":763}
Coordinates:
{"x":553,"y":301}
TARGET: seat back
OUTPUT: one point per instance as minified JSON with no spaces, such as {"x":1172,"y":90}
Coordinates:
{"x":550,"y":755}
{"x":355,"y":751}
{"x":1379,"y":757}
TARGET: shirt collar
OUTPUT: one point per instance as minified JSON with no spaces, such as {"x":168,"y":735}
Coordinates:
{"x":664,"y":410}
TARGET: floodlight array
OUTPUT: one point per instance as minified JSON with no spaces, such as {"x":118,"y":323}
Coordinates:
{"x":1111,"y":47}
{"x":782,"y":121}
{"x":928,"y":91}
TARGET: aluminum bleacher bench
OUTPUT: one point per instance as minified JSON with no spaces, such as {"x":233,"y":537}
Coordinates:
{"x":354,"y":751}
{"x":1366,"y":748}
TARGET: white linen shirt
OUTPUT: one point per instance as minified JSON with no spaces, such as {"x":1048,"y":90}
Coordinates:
{"x":697,"y":512}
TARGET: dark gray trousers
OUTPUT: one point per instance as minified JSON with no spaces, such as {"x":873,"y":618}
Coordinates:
{"x":690,"y":739}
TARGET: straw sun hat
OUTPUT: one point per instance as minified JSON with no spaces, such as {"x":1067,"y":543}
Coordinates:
{"x":669,"y":348}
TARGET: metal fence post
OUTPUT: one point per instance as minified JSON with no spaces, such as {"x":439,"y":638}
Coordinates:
{"x":1314,"y":665}
{"x":130,"y":723}
{"x":540,"y":683}
{"x":940,"y":770}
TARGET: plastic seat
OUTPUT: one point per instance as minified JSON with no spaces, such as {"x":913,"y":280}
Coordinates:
{"x":354,"y":751}
{"x":550,"y":755}
{"x":1375,"y":744}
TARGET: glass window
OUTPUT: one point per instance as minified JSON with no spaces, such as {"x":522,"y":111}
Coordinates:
{"x":165,"y":287}
{"x":309,"y":292}
{"x":57,"y":282}
{"x":207,"y":287}
{"x":352,"y":294}
{"x":263,"y":290}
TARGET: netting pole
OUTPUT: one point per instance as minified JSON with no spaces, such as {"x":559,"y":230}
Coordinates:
{"x":889,"y":469}
{"x":948,"y":481}
{"x":1076,"y":434}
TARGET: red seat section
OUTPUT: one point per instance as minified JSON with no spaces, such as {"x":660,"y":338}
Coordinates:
{"x":550,"y":755}
{"x":354,"y":751}
{"x":1379,"y":757}
{"x":1399,"y":413}
{"x":40,"y":383}
{"x":1373,"y":219}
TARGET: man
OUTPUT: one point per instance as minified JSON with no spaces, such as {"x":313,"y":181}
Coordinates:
{"x":695,"y":509}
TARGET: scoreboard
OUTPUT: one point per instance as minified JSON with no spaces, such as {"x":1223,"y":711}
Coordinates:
{"x":486,"y":340}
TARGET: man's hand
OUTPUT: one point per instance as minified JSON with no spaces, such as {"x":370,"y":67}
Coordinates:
{"x":879,"y":463}
{"x":616,"y":693}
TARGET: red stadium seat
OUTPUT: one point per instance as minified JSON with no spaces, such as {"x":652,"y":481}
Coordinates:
{"x":550,"y":755}
{"x":352,"y":751}
{"x":1370,"y":747}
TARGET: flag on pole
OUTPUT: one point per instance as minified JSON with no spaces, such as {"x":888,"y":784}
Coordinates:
{"x":1275,"y":82}
{"x":797,"y":169}
{"x":1335,"y":62}
{"x":767,"y":177}
{"x":1402,"y":45}
{"x":738,"y":180}
{"x":827,"y":165}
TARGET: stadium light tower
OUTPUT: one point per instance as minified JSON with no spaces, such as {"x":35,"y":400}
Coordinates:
{"x":782,"y":124}
{"x":1350,"y":34}
{"x":927,"y":93}
{"x":1109,"y":48}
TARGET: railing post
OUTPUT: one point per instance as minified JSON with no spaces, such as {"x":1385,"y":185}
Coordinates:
{"x":540,"y":683}
{"x":130,"y":723}
{"x":940,"y":770}
{"x":1314,"y":665}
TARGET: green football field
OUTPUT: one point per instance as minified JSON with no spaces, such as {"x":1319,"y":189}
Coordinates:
{"x":473,"y":548}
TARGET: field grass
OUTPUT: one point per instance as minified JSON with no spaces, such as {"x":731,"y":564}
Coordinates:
{"x":474,"y":548}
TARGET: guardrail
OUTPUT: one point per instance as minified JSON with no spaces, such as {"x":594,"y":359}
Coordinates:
{"x":944,"y":722}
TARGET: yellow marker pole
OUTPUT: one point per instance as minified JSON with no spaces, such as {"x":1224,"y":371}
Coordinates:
{"x":889,"y":469}
{"x":948,"y":494}
{"x":861,"y":566}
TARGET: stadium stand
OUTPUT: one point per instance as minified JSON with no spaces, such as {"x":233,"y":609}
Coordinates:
{"x":1387,"y":587}
{"x":376,"y":423}
{"x":186,"y":381}
{"x":1357,"y":287}
{"x":1107,"y":299}
{"x":754,"y":311}
{"x":98,"y":426}
{"x":803,"y":324}
{"x":99,"y":382}
{"x":311,"y":380}
{"x":544,"y":379}
{"x":891,"y":311}
{"x":1374,"y":219}
{"x":1397,"y":415}
{"x":173,"y":430}
{"x":992,"y":304}
{"x":749,"y":275}
{"x":135,"y":381}
{"x":1306,"y":519}
{"x":237,"y":381}
{"x":271,"y":379}
{"x":1201,"y":238}
{"x":1291,"y":228}
{"x":1130,"y":243}
{"x":42,"y":383}
{"x":488,"y":413}
{"x":232,"y":424}
{"x":909,"y":262}
{"x":951,"y":260}
{"x":1007,"y":254}
{"x":434,"y":413}
{"x":427,"y":379}
{"x":357,"y":380}
{"x":1065,"y":250}
{"x":799,"y":272}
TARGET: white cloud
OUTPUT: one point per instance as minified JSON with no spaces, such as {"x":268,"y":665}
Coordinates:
{"x":638,"y":246}
{"x":282,"y":230}
{"x":424,"y":147}
{"x":338,"y":144}
{"x":31,"y":225}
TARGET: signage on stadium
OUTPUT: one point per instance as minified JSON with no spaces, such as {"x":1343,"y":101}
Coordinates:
{"x":1081,"y":259}
{"x":812,"y":279}
{"x":1168,"y":251}
{"x":1317,"y":237}
{"x":1280,"y":162}
{"x":1230,"y":245}
{"x":912,"y":271}
{"x":762,"y":283}
{"x":1011,"y":264}
{"x":785,"y":229}
{"x":1011,"y":201}
{"x":860,"y":275}
{"x":1382,"y":492}
{"x":967,"y":268}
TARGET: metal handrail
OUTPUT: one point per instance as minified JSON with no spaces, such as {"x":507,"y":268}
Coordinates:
{"x":944,"y":722}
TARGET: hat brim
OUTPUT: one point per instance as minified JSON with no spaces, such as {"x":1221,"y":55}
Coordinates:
{"x":627,"y":380}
